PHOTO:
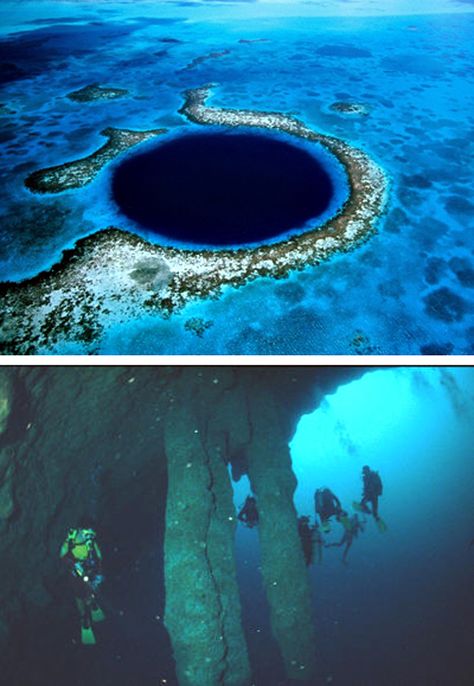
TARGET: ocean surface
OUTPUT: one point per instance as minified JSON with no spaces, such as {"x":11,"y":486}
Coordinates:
{"x":408,"y":290}
{"x":401,"y":611}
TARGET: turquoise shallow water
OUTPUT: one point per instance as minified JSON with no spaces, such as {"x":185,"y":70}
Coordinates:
{"x":409,"y":290}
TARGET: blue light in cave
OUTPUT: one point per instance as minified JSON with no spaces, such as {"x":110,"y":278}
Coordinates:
{"x":413,"y":425}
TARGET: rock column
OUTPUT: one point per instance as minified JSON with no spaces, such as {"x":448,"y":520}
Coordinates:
{"x":283,"y":567}
{"x":202,"y":612}
{"x":7,"y":464}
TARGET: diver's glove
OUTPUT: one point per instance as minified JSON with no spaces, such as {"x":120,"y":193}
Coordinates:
{"x":78,"y":570}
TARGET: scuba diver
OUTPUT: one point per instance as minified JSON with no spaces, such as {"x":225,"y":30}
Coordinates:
{"x":305,"y":532}
{"x":248,"y":514}
{"x":311,"y":540}
{"x":82,"y":556}
{"x":326,"y":505}
{"x":352,"y":526}
{"x":372,"y":490}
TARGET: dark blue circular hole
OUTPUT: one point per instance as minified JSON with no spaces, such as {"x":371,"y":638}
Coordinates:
{"x":222,"y":189}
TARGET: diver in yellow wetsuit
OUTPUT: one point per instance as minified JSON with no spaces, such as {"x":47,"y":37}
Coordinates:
{"x":83,"y":557}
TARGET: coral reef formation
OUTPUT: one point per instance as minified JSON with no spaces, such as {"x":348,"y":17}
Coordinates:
{"x":80,"y":172}
{"x":198,"y":325}
{"x":203,"y":58}
{"x":355,"y":222}
{"x":101,"y":280}
{"x":94,"y":92}
{"x":354,"y":109}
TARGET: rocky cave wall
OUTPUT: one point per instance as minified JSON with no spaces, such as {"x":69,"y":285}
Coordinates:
{"x":76,"y":441}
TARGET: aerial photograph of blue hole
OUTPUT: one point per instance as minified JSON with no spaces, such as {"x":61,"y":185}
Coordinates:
{"x":236,"y":525}
{"x":236,"y":177}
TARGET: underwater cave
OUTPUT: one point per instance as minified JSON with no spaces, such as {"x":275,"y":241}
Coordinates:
{"x":155,"y":457}
{"x":222,"y":189}
{"x":145,"y":453}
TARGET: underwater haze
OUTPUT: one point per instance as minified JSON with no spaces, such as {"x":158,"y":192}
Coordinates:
{"x":402,"y":610}
{"x":394,"y":79}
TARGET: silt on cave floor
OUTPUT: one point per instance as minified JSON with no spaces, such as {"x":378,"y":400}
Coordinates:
{"x":161,"y":459}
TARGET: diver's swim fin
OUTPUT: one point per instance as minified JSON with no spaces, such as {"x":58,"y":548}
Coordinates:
{"x":87,"y":636}
{"x":357,"y":506}
{"x":346,"y":522}
{"x":97,"y":614}
{"x":382,"y":527}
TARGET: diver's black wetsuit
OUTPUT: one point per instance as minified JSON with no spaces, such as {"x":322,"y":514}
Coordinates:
{"x":306,"y":537}
{"x":327,"y":504}
{"x":371,"y":491}
{"x":248,"y":515}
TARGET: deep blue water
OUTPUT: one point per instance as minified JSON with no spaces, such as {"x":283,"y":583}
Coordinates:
{"x":409,"y":290}
{"x":220,"y":189}
{"x":402,"y":610}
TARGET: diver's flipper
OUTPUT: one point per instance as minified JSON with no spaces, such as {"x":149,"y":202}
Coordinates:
{"x":357,"y":506}
{"x":87,"y":636}
{"x":381,"y":525}
{"x":97,"y":614}
{"x":345,"y":521}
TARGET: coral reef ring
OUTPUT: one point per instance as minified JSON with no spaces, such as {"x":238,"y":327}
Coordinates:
{"x":354,"y":223}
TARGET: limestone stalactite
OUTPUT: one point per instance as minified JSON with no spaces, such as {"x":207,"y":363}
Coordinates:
{"x":202,"y":600}
{"x":6,"y":393}
{"x":7,"y":464}
{"x":283,"y":568}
